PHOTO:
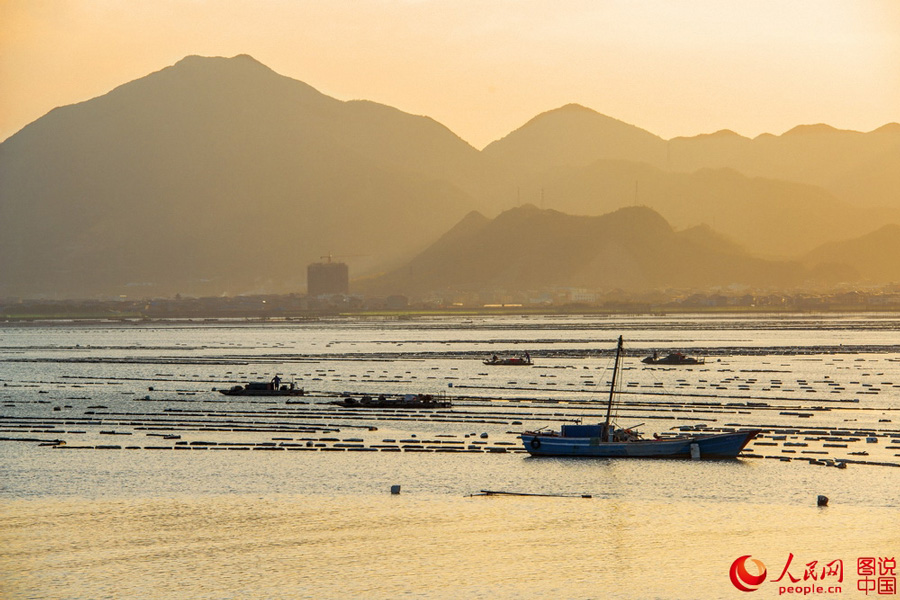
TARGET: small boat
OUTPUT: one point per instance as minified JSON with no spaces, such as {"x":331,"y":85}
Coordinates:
{"x":521,"y":361}
{"x":405,"y":401}
{"x":263,"y":388}
{"x":673,"y":358}
{"x":606,"y":440}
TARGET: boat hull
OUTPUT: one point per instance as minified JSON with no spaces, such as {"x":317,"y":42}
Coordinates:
{"x":725,"y":445}
{"x":667,"y":361}
{"x":246,"y":392}
{"x":411,"y":401}
{"x":508,"y":362}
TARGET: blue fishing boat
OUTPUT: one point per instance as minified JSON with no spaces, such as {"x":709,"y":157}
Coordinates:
{"x":609,"y":441}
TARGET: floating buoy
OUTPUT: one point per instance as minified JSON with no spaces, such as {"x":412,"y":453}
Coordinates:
{"x":395,"y":489}
{"x":822,"y":500}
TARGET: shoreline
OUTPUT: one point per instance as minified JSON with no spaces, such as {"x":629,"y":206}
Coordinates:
{"x":363,"y":315}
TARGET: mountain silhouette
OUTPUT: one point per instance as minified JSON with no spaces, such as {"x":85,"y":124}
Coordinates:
{"x":770,"y":217}
{"x":219,"y":176}
{"x":574,"y":136}
{"x":633,"y":248}
{"x":819,"y":155}
{"x":872,"y":256}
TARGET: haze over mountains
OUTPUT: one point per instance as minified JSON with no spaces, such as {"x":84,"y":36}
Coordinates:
{"x":819,"y":155}
{"x":219,"y":176}
{"x":634,"y":248}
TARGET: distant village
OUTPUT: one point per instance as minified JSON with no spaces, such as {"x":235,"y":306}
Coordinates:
{"x":330,"y":293}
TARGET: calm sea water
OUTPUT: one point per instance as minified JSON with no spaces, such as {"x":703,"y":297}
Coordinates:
{"x":122,"y":512}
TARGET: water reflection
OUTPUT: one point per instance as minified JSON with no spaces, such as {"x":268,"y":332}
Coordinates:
{"x":422,"y":546}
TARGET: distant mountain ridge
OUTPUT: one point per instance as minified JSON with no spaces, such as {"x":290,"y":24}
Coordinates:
{"x":872,"y":256}
{"x":220,"y":176}
{"x":575,"y":136}
{"x":819,"y":155}
{"x":769,"y":217}
{"x":633,"y":248}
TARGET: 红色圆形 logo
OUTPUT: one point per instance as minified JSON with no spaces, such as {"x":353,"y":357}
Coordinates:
{"x":742,"y":578}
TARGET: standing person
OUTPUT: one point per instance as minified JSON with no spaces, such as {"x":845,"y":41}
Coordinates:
{"x":276,"y":381}
{"x":527,"y":357}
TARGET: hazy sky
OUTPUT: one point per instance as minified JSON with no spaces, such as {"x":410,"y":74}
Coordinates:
{"x":484,"y":67}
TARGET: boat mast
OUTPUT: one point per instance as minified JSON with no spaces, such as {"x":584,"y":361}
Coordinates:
{"x":612,"y":388}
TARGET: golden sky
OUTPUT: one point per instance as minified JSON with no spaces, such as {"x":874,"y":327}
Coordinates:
{"x":484,"y":67}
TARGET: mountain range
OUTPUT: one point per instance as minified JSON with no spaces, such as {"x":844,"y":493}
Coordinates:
{"x":633,"y":248}
{"x":219,"y":176}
